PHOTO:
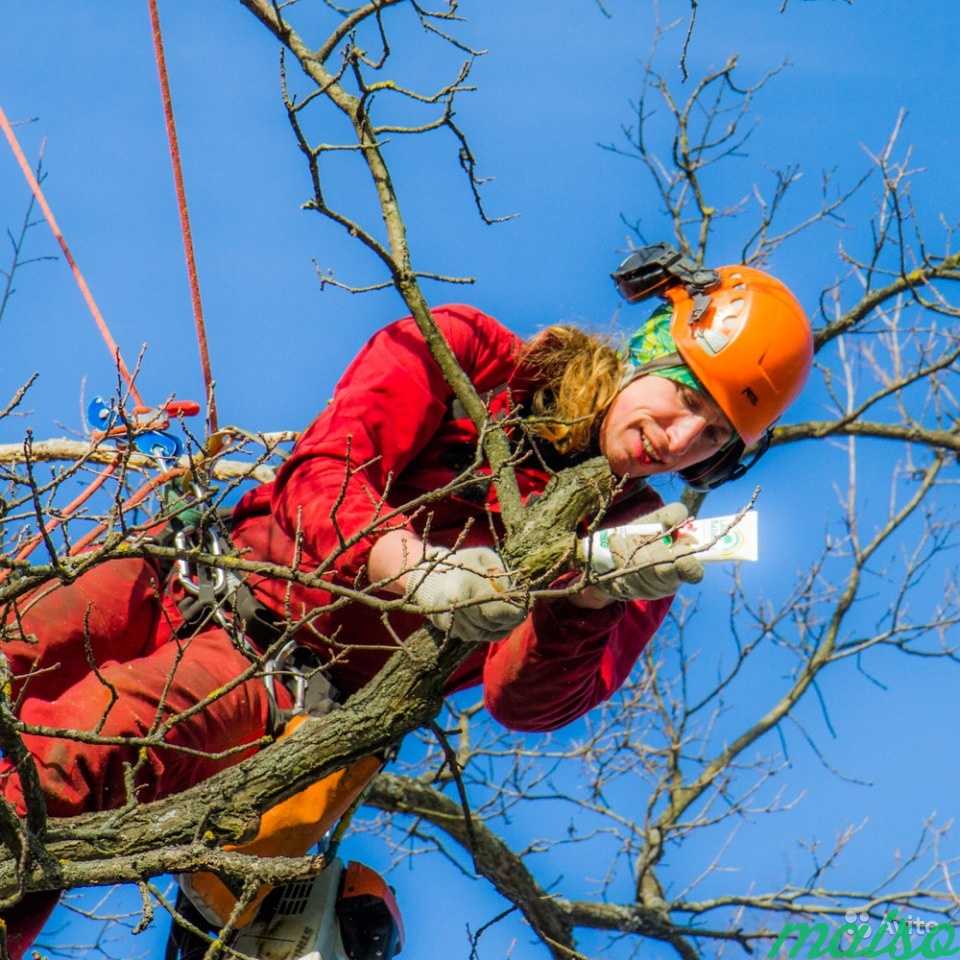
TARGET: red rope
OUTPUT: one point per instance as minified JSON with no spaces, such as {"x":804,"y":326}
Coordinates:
{"x":140,"y":494}
{"x":78,"y":276}
{"x":134,"y":500}
{"x":70,"y":509}
{"x":184,"y":216}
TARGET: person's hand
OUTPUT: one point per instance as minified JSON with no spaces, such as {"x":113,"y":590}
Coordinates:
{"x":447,"y":579}
{"x":656,"y":563}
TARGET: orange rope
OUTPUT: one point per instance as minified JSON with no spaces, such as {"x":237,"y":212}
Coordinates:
{"x":184,"y":217}
{"x":141,"y":493}
{"x":69,"y":510}
{"x":55,"y":229}
{"x":135,"y":499}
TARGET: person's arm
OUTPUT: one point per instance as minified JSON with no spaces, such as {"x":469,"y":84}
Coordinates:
{"x":571,"y":654}
{"x":387,"y":406}
{"x":565,"y":659}
{"x":393,"y":556}
{"x":397,"y":551}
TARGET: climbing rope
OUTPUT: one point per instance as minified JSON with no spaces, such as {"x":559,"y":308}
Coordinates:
{"x":134,"y":500}
{"x":78,"y":276}
{"x":184,"y":216}
{"x":191,"y":264}
{"x":197,"y":306}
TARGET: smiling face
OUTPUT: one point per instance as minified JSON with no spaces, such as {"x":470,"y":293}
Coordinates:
{"x":656,"y":425}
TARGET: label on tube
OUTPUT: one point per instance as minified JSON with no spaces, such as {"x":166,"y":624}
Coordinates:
{"x":719,"y":538}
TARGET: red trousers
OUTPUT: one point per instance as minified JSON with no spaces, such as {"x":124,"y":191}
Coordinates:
{"x":99,"y":655}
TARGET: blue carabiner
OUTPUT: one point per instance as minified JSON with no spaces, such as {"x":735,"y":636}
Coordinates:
{"x":102,"y":414}
{"x":158,"y":444}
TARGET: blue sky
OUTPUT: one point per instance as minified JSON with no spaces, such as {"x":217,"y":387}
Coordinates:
{"x":556,"y":83}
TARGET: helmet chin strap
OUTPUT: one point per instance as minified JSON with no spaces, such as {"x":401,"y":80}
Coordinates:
{"x":725,"y":465}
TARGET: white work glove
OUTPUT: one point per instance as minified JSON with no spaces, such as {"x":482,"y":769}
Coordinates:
{"x":657,"y":567}
{"x":448,"y":578}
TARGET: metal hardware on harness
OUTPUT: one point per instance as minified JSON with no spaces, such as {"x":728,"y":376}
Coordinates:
{"x":282,"y":663}
{"x":186,"y":538}
{"x":651,"y":269}
{"x":145,"y":430}
{"x":298,"y":669}
{"x":207,"y":586}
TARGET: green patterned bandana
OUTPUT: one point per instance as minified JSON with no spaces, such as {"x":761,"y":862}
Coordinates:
{"x":652,"y":341}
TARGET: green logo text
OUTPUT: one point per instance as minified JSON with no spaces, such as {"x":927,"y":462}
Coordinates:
{"x":850,"y":940}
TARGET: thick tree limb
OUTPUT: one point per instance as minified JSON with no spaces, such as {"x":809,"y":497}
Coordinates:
{"x":404,"y":695}
{"x":494,"y":859}
{"x":65,"y":449}
{"x":817,"y":429}
{"x":945,"y":270}
{"x":552,"y":918}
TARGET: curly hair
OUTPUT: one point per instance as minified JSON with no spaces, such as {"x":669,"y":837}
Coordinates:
{"x":576,"y":376}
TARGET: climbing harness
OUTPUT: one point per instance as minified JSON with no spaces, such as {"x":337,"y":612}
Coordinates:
{"x":325,"y":807}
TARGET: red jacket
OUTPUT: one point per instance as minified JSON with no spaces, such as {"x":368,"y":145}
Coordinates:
{"x":390,"y":421}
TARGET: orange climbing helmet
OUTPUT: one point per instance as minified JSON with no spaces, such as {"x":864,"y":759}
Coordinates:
{"x":749,"y":344}
{"x":741,"y":332}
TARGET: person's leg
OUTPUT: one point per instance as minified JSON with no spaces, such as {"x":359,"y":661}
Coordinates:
{"x":25,"y":921}
{"x":79,"y":777}
{"x":133,"y":699}
{"x":51,"y":634}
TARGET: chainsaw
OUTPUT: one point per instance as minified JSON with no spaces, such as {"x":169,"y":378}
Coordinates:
{"x":346,"y":912}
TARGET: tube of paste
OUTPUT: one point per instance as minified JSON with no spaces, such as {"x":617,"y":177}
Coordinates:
{"x":718,"y":543}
